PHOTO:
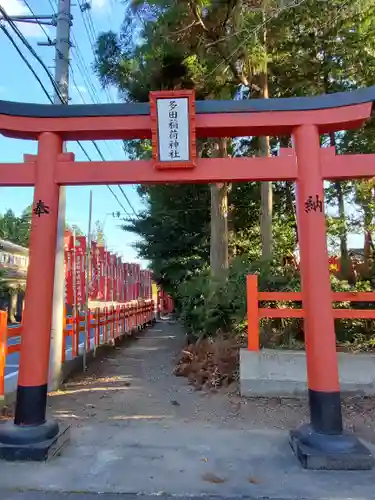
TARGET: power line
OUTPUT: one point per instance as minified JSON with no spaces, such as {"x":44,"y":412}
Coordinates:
{"x":75,"y":84}
{"x":127,"y":199}
{"x":82,"y":68}
{"x":24,"y":59}
{"x":92,"y":36}
{"x":119,"y":186}
{"x":53,"y":7}
{"x":31,"y":50}
{"x":26,"y":2}
{"x":118,"y":201}
{"x":51,"y":78}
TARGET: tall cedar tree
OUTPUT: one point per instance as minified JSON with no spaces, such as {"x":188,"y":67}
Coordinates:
{"x":217,"y":48}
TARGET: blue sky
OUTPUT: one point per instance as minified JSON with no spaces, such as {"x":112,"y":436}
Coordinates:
{"x":18,"y":84}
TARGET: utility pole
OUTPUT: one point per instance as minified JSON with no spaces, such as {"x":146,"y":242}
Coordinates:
{"x":62,"y":50}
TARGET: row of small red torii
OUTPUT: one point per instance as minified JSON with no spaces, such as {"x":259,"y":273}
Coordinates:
{"x":111,"y":280}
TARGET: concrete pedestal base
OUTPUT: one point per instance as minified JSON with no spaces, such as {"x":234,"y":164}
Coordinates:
{"x":282,"y":373}
{"x":38,"y":444}
{"x":326,"y":452}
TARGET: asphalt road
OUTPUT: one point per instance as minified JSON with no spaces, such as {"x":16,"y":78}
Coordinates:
{"x":12,"y":360}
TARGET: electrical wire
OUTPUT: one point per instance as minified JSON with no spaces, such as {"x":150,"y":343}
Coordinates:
{"x":118,"y":201}
{"x":76,"y":86}
{"x":26,"y":2}
{"x":53,"y":7}
{"x":82,"y":67}
{"x":127,"y":199}
{"x":24,"y":59}
{"x":92,"y":35}
{"x":45,"y":91}
{"x":13,"y":25}
{"x":92,"y":93}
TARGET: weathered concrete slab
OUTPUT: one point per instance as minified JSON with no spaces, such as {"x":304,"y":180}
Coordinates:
{"x":175,"y":459}
{"x":37,"y":495}
{"x":271,"y":372}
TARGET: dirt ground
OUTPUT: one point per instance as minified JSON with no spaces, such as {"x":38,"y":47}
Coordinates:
{"x":134,"y":381}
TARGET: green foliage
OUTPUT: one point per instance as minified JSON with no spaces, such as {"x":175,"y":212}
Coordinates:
{"x":208,"y":308}
{"x":16,"y":229}
{"x":3,"y":284}
{"x":351,"y":332}
{"x":175,"y":231}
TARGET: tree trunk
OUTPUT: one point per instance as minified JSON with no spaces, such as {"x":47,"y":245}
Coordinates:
{"x":344,"y":254}
{"x":266,"y":187}
{"x":12,"y":309}
{"x":343,"y":235}
{"x":367,"y":251}
{"x":219,"y":219}
{"x":266,"y":207}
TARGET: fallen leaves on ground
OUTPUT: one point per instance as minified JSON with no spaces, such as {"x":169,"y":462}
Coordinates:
{"x":253,"y":480}
{"x":210,"y":363}
{"x":7,"y":412}
{"x":209,"y":477}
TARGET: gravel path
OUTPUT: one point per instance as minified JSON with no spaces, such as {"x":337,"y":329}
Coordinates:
{"x":135,"y":382}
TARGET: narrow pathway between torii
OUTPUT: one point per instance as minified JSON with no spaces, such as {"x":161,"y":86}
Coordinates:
{"x":136,"y":383}
{"x":136,"y":428}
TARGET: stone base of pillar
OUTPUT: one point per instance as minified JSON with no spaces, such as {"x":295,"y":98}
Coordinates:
{"x":329,"y":452}
{"x":32,"y":443}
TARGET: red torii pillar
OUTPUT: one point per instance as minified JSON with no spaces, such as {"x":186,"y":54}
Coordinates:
{"x":32,"y":437}
{"x":321,"y":444}
{"x":325,"y":432}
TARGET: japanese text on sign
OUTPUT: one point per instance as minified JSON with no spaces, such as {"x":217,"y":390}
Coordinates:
{"x":78,"y":283}
{"x":173,"y":129}
{"x":313,"y":204}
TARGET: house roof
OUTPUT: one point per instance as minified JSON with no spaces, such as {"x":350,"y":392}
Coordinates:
{"x":10,"y":247}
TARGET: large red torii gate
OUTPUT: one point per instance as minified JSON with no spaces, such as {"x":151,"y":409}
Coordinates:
{"x":31,"y":436}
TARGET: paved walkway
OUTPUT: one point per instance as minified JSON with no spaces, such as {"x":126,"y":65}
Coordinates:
{"x":137,"y":429}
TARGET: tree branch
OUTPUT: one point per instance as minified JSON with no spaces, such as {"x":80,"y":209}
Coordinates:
{"x":194,"y":10}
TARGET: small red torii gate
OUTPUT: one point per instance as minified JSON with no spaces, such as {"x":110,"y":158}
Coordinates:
{"x":31,"y":436}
